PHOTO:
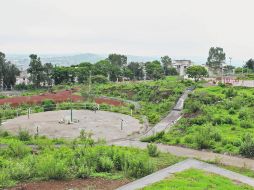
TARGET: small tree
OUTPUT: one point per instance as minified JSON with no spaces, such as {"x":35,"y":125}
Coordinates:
{"x":196,"y":72}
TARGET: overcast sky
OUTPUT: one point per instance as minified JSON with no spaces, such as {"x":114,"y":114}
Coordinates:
{"x":137,"y":27}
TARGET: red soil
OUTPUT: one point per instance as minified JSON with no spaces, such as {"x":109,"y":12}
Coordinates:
{"x":90,"y":183}
{"x":57,"y":97}
{"x":109,"y":101}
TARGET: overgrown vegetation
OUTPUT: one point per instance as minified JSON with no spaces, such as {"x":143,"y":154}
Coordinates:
{"x":217,"y":118}
{"x":156,"y":97}
{"x":80,"y":158}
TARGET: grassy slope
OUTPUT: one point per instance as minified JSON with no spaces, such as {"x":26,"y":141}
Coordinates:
{"x":155,"y":97}
{"x":198,"y":180}
{"x":216,"y":123}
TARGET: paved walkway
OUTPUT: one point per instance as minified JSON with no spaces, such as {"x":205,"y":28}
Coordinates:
{"x":191,"y":153}
{"x":171,"y":118}
{"x":184,"y":165}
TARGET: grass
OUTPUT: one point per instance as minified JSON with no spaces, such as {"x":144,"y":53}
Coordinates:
{"x":79,"y":158}
{"x":215,"y":118}
{"x":156,"y":97}
{"x":199,"y":180}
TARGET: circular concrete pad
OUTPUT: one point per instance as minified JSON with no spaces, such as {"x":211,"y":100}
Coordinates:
{"x":102,"y":124}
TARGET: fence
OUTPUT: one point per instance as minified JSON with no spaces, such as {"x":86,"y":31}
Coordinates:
{"x":10,"y":113}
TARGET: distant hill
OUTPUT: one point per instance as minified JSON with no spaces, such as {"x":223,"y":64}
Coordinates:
{"x":22,"y":60}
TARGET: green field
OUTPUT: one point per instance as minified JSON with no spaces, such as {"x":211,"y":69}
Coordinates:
{"x":216,"y":118}
{"x":199,"y":180}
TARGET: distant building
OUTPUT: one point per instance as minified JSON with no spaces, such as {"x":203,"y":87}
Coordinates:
{"x":23,"y":78}
{"x":181,"y":66}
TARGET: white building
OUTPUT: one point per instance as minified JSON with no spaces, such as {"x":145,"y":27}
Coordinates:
{"x":23,"y":78}
{"x":181,"y":66}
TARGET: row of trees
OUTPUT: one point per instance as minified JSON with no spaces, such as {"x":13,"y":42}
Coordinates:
{"x":8,"y":73}
{"x":114,"y":68}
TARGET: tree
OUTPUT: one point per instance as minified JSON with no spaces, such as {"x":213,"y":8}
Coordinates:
{"x":249,"y":64}
{"x":154,"y":70}
{"x":137,"y":70}
{"x":196,"y":72}
{"x":172,"y":71}
{"x":166,"y":64}
{"x":36,"y":70}
{"x":102,"y":67}
{"x":48,"y":72}
{"x":8,"y":72}
{"x":117,"y":60}
{"x":215,"y":58}
{"x":83,"y":71}
{"x":60,"y":75}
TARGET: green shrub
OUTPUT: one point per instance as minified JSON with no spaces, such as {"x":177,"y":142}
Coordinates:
{"x":247,"y":146}
{"x":105,"y":164}
{"x":17,"y":149}
{"x":230,"y":93}
{"x":24,"y":135}
{"x":49,"y":105}
{"x":152,"y":150}
{"x":19,"y":171}
{"x":138,"y":167}
{"x":83,"y":172}
{"x":246,"y":124}
{"x":5,"y":180}
{"x":49,"y":167}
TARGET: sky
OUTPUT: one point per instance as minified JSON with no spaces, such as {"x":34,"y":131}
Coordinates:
{"x":136,"y":27}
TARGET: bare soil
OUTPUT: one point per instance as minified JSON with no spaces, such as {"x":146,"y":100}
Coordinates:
{"x":77,"y":184}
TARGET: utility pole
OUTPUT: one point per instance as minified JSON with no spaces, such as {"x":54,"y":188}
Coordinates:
{"x":230,"y":60}
{"x":90,"y":81}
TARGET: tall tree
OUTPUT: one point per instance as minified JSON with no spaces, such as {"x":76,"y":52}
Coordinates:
{"x":166,"y":64}
{"x":117,"y":60}
{"x":102,"y":67}
{"x":36,"y":70}
{"x":249,"y":64}
{"x":154,"y":70}
{"x":137,"y":70}
{"x":48,"y":72}
{"x":215,"y":58}
{"x":8,"y":72}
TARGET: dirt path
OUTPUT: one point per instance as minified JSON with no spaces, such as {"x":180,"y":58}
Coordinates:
{"x":184,"y":165}
{"x":191,"y":153}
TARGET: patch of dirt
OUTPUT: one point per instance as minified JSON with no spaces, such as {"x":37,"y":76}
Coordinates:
{"x":38,"y":99}
{"x":58,"y":97}
{"x":109,"y":101}
{"x":77,"y":184}
{"x":191,"y":115}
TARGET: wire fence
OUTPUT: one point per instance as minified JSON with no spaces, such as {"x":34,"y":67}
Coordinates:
{"x":11,"y":113}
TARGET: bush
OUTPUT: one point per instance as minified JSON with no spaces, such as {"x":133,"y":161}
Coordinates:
{"x":152,"y":150}
{"x":24,"y":135}
{"x":243,"y":115}
{"x":48,"y":105}
{"x":105,"y":164}
{"x":246,"y":124}
{"x":247,"y":146}
{"x":230,"y":93}
{"x":49,"y":167}
{"x":17,"y":149}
